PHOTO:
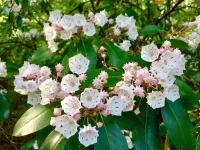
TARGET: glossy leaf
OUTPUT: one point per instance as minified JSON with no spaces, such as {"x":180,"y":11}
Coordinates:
{"x":28,"y":146}
{"x":110,"y":137}
{"x":34,"y":119}
{"x":117,"y":56}
{"x":150,"y":30}
{"x":197,"y":77}
{"x":86,"y":49}
{"x":25,"y":4}
{"x":41,"y":55}
{"x":146,"y":136}
{"x":178,"y":125}
{"x":4,"y":107}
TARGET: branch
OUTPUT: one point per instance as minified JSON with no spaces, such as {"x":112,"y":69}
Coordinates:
{"x":18,"y":43}
{"x":133,"y":5}
{"x":92,"y":3}
{"x":77,"y":7}
{"x":169,"y":12}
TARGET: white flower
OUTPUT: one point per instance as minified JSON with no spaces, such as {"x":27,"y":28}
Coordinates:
{"x":132,"y":33}
{"x":89,"y":29}
{"x":116,"y":105}
{"x":80,"y":19}
{"x":52,"y":45}
{"x":55,"y":16}
{"x":159,"y":70}
{"x":122,"y":21}
{"x":3,"y":70}
{"x":129,"y":142}
{"x":125,"y":90}
{"x":71,"y":105}
{"x":129,"y":103}
{"x":78,"y":64}
{"x":45,"y":71}
{"x":88,"y":135}
{"x":170,"y":59}
{"x":49,"y":32}
{"x":20,"y":85}
{"x":125,"y":45}
{"x":65,"y":34}
{"x":100,"y":18}
{"x":70,"y":83}
{"x":67,"y":22}
{"x":156,"y":99}
{"x":29,"y":70}
{"x":66,"y":125}
{"x":150,"y":52}
{"x":33,"y":32}
{"x":49,"y":88}
{"x":34,"y":98}
{"x":168,"y":81}
{"x":90,"y":97}
{"x":31,"y":86}
{"x":172,"y":93}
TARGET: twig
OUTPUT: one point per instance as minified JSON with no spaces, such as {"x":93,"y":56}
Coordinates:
{"x":169,"y":12}
{"x":8,"y":138}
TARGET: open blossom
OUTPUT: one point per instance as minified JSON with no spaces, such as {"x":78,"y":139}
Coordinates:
{"x":100,"y":18}
{"x":124,"y":89}
{"x":168,"y":81}
{"x":66,"y":125}
{"x":122,"y":21}
{"x":71,"y":105}
{"x":80,"y":19}
{"x":52,"y":45}
{"x":29,"y":70}
{"x":125,"y":45}
{"x":156,"y":99}
{"x":70,"y":83}
{"x":59,"y":67}
{"x":49,"y":32}
{"x":68,"y":22}
{"x":88,"y":135}
{"x":172,"y":93}
{"x":31,"y":85}
{"x":90,"y":97}
{"x":65,"y":34}
{"x":34,"y":98}
{"x":45,"y":71}
{"x":150,"y":52}
{"x":3,"y":70}
{"x":130,"y":103}
{"x":115,"y":105}
{"x":55,"y":16}
{"x":159,"y":70}
{"x":89,"y":29}
{"x":78,"y":64}
{"x":132,"y":33}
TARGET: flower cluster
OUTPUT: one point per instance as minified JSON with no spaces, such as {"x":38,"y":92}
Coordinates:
{"x":68,"y":26}
{"x":157,"y":82}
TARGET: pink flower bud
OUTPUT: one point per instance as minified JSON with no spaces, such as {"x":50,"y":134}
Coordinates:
{"x":99,"y":124}
{"x":137,"y":111}
{"x":127,"y":67}
{"x":110,"y":21}
{"x":103,"y":75}
{"x":52,"y":99}
{"x":138,"y":82}
{"x":101,"y":106}
{"x":105,"y":113}
{"x":125,"y":28}
{"x":63,"y":94}
{"x":59,"y":67}
{"x":30,"y":76}
{"x":117,"y":32}
{"x":77,"y":116}
{"x":103,"y":95}
{"x":53,"y":121}
{"x":91,"y":14}
{"x":97,"y":83}
{"x":59,"y":74}
{"x":57,"y":111}
{"x":82,"y":77}
{"x":115,"y":91}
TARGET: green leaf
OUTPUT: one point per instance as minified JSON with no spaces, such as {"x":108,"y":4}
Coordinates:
{"x":25,"y":4}
{"x":197,"y":77}
{"x":146,"y":136}
{"x":178,"y":125}
{"x":189,"y":97}
{"x":42,"y":134}
{"x":113,"y":77}
{"x":128,"y":120}
{"x":55,"y":141}
{"x":4,"y":107}
{"x":198,"y":142}
{"x":86,"y":49}
{"x":19,"y":22}
{"x":41,"y":55}
{"x":117,"y":56}
{"x":150,"y":30}
{"x":110,"y":137}
{"x":28,"y":146}
{"x":34,"y":119}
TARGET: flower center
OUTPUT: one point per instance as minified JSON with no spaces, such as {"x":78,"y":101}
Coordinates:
{"x":78,"y":67}
{"x":72,"y":84}
{"x":89,"y":98}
